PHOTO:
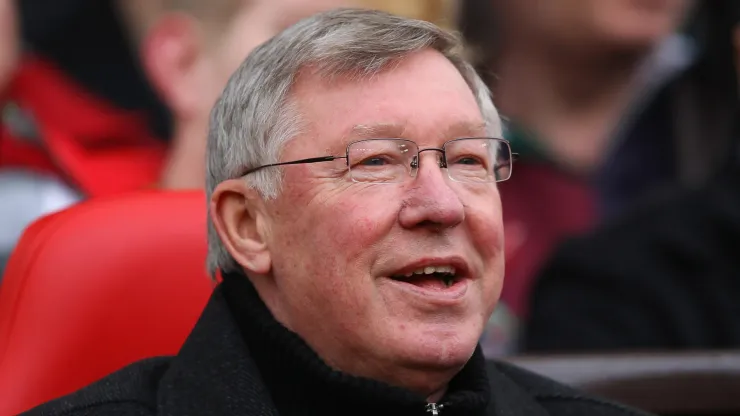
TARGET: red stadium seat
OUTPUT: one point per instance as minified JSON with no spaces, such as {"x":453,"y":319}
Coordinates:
{"x":95,"y":287}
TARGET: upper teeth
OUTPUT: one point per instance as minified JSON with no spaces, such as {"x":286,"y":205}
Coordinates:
{"x":432,"y":269}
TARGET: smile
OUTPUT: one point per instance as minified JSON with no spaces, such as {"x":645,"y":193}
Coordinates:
{"x":430,"y":277}
{"x":443,"y":282}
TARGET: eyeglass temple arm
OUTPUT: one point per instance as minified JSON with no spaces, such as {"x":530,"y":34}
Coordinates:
{"x":296,"y":162}
{"x":514,"y":158}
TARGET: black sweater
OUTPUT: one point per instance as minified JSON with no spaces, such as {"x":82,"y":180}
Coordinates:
{"x":301,"y":384}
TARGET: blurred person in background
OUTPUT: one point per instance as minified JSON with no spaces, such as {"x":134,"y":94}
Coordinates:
{"x":664,"y":275}
{"x":80,"y":118}
{"x":9,"y":48}
{"x":189,"y":49}
{"x":440,"y":12}
{"x":607,"y":101}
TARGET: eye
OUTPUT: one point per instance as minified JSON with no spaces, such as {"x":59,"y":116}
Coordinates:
{"x":374,"y":161}
{"x":468,"y":160}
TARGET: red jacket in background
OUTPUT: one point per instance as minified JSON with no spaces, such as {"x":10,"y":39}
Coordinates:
{"x":542,"y":205}
{"x":52,"y":125}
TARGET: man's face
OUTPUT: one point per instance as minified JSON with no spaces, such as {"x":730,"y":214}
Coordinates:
{"x":626,"y":23}
{"x":335,"y":244}
{"x":8,"y":41}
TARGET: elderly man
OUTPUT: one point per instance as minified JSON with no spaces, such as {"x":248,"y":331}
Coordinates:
{"x":354,"y":214}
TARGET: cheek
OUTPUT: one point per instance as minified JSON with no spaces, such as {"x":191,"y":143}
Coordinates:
{"x":487,"y":233}
{"x":332,"y":246}
{"x":486,"y":224}
{"x":334,"y":230}
{"x":354,"y":227}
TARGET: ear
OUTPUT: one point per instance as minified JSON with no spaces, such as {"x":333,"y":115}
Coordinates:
{"x":238,"y":214}
{"x":171,"y":55}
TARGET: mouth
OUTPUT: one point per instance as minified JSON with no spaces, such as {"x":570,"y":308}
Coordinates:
{"x":434,"y":278}
{"x":439,"y":277}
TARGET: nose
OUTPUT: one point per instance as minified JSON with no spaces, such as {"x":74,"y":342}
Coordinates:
{"x":430,"y":202}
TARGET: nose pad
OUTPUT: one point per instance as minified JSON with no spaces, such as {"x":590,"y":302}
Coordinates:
{"x":442,"y":161}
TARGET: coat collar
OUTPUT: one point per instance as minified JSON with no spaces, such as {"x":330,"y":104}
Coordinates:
{"x":213,"y":374}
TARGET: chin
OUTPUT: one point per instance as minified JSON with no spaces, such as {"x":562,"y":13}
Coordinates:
{"x":442,"y":351}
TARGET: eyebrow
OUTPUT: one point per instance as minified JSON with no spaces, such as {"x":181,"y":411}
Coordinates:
{"x":391,"y":130}
{"x":465,"y":129}
{"x":372,"y":131}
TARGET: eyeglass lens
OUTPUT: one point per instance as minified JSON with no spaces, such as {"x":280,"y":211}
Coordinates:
{"x":395,"y":160}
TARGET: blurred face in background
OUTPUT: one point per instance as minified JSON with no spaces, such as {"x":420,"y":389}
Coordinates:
{"x":620,"y":23}
{"x":8,"y":41}
{"x":189,"y":58}
{"x":190,"y":48}
{"x":255,"y":23}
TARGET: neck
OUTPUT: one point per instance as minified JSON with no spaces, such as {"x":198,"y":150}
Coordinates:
{"x":437,"y":396}
{"x":300,"y":382}
{"x":571,"y":99}
{"x":430,"y":382}
{"x":185,"y":165}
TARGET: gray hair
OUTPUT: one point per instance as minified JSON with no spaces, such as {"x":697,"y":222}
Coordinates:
{"x":254,"y":117}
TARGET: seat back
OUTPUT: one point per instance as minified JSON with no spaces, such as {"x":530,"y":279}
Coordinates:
{"x":670,"y":383}
{"x":98,"y":286}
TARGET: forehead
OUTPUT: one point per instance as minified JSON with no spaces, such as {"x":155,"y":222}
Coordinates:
{"x":423,"y":98}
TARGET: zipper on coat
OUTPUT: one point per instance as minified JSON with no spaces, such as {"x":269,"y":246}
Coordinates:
{"x":434,"y":408}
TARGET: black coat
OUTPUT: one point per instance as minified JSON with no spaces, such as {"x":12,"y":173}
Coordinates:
{"x":664,"y":277}
{"x":214,"y":375}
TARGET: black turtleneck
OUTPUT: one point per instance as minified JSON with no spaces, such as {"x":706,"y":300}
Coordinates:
{"x":300,"y":383}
